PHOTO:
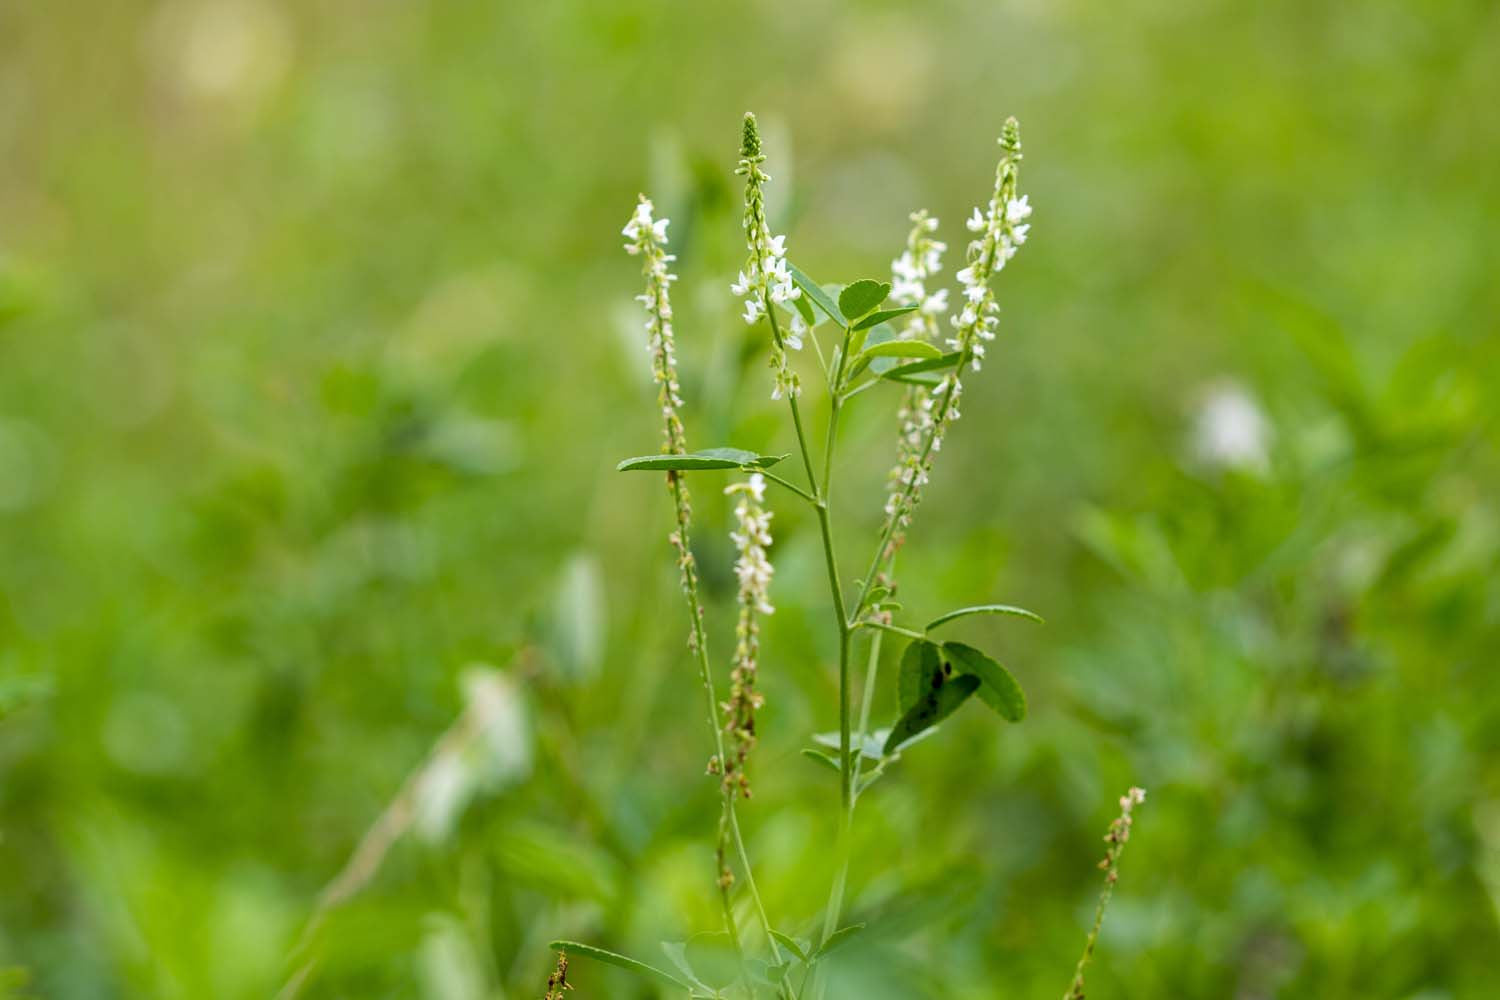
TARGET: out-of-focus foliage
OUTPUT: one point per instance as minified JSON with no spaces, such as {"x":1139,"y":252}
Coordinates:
{"x":317,"y":353}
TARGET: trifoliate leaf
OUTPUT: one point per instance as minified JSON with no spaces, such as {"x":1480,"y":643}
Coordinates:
{"x":998,"y":689}
{"x":920,"y":673}
{"x":931,"y":709}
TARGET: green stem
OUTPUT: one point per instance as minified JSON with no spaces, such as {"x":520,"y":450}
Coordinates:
{"x":728,"y":819}
{"x":893,"y":629}
{"x":788,"y":484}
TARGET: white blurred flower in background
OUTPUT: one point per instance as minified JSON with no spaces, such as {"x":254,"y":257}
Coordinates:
{"x":1230,"y":430}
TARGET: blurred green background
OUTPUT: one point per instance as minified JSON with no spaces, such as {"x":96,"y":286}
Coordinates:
{"x":317,"y":351}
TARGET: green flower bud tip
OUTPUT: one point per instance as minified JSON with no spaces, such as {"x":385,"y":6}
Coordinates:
{"x":750,"y":140}
{"x":1010,"y":137}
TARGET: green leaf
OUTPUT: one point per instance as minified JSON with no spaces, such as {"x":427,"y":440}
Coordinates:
{"x":709,"y":458}
{"x":861,"y":296}
{"x":677,"y":952}
{"x":999,"y":689}
{"x":902,"y":349}
{"x":713,"y":958}
{"x":876,"y":318}
{"x":837,"y":939}
{"x":621,"y":961}
{"x":791,"y":944}
{"x":903,"y":373}
{"x":984,"y":609}
{"x":814,"y":291}
{"x":822,"y":758}
{"x":933,"y":708}
{"x":868,"y":745}
{"x":921,"y":673}
{"x":805,"y":311}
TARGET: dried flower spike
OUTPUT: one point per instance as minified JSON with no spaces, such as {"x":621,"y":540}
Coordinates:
{"x":558,"y":981}
{"x":1119,"y":833}
{"x":751,"y":539}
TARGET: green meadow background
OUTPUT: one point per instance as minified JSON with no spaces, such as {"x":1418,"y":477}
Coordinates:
{"x":317,"y":352}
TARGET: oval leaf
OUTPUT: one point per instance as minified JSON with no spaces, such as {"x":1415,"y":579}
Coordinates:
{"x":998,"y":689}
{"x":861,"y":296}
{"x":921,"y":673}
{"x":931,"y":709}
{"x":984,"y":609}
{"x":713,"y":958}
{"x":814,"y":291}
{"x":621,"y":961}
{"x":709,"y":458}
{"x":876,"y":318}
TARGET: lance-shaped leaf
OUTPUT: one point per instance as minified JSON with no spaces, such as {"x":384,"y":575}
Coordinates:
{"x":931,"y":709}
{"x":709,"y":458}
{"x":814,"y":291}
{"x":920,"y":674}
{"x":921,"y":371}
{"x":902,"y":349}
{"x":822,"y":758}
{"x":998,"y":689}
{"x":796,"y":946}
{"x":861,"y":296}
{"x":881,"y":316}
{"x":837,"y":939}
{"x":621,"y":961}
{"x":984,"y":609}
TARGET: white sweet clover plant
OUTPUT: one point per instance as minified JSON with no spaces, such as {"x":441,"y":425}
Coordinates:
{"x":903,"y":335}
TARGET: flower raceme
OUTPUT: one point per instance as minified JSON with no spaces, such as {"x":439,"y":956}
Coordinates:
{"x":765,"y":280}
{"x":910,"y":274}
{"x":1000,"y":229}
{"x":648,"y":239}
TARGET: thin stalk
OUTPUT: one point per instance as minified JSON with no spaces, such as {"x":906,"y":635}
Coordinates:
{"x":729,"y":823}
{"x":893,"y":629}
{"x":700,"y":643}
{"x":788,"y":484}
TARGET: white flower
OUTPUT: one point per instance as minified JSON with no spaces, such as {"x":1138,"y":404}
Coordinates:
{"x":766,"y":280}
{"x":648,"y":238}
{"x":795,"y":331}
{"x":1018,"y":209}
{"x":1230,"y":429}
